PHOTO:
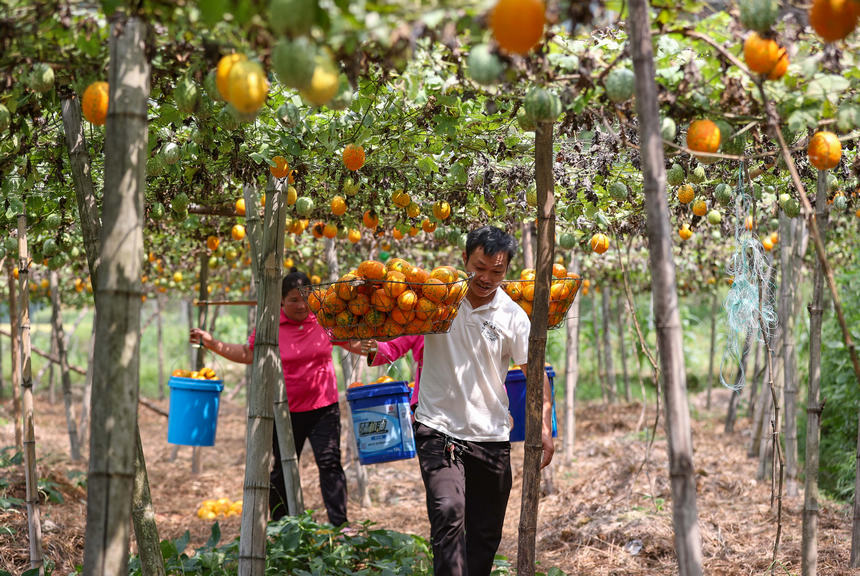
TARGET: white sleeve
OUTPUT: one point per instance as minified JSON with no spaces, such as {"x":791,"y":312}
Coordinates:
{"x":520,"y":345}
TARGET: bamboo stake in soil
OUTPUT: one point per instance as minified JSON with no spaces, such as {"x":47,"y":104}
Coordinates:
{"x":159,"y":339}
{"x":571,"y":371}
{"x":809,"y":542}
{"x":688,"y":543}
{"x":535,"y":374}
{"x":28,"y":424}
{"x":66,"y":378}
{"x":596,"y":340}
{"x":606,"y":317}
{"x":266,"y":376}
{"x":786,"y":319}
{"x":143,"y":517}
{"x":714,"y":311}
{"x":116,"y":373}
{"x":15,"y":349}
{"x":621,"y":319}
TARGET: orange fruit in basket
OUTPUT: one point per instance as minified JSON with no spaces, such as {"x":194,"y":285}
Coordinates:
{"x":446,"y":274}
{"x":514,"y":290}
{"x":364,"y":331}
{"x":572,"y":275}
{"x":441,"y":314}
{"x":341,"y":333}
{"x":390,"y":329}
{"x":424,"y":308}
{"x":355,"y":384}
{"x":407,"y":300}
{"x":559,"y":271}
{"x":395,"y":284}
{"x":398,"y":265}
{"x":344,"y":289}
{"x":359,"y":305}
{"x":314,"y":301}
{"x":415,"y":276}
{"x":402,"y":316}
{"x":527,"y":274}
{"x":527,"y":306}
{"x":326,"y":320}
{"x":375,"y":318}
{"x":555,"y":319}
{"x":331,"y":303}
{"x":371,"y":270}
{"x":344,"y":318}
{"x":528,"y":291}
{"x":381,"y":300}
{"x":454,"y":292}
{"x":434,"y":290}
{"x":556,"y":292}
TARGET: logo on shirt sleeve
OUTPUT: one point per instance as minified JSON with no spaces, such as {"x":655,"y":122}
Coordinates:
{"x":490,"y":331}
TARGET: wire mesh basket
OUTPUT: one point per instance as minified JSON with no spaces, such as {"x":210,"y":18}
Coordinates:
{"x":358,"y":308}
{"x":561,"y":295}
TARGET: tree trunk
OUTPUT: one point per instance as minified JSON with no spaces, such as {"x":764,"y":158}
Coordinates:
{"x":198,"y":351}
{"x":52,"y":393}
{"x":15,"y":354}
{"x":764,"y":446}
{"x":537,"y":350}
{"x":2,"y":391}
{"x":116,"y":375}
{"x":621,"y":318}
{"x":571,"y":371}
{"x":143,"y":518}
{"x":609,"y":367}
{"x":267,"y":376}
{"x":159,"y":339}
{"x":786,"y":318}
{"x":57,"y":321}
{"x":754,"y":380}
{"x":688,"y":542}
{"x":28,"y":424}
{"x":528,"y":246}
{"x":714,"y":311}
{"x":809,"y":541}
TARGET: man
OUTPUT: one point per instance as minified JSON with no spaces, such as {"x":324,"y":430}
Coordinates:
{"x":462,"y":425}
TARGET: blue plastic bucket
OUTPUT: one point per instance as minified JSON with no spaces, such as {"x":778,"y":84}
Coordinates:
{"x":193,"y":413}
{"x":382,"y":422}
{"x":515,"y":382}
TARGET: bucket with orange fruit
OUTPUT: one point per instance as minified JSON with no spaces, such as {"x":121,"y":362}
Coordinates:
{"x":385,"y":300}
{"x":194,"y":401}
{"x":563,"y":290}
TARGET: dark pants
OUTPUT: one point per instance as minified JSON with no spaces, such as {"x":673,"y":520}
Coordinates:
{"x":322,"y":427}
{"x":466,"y":501}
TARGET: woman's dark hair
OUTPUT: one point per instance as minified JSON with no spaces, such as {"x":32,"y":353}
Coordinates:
{"x":492,"y":240}
{"x":293,"y":280}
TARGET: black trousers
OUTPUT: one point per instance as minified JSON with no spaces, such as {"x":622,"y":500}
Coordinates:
{"x":467,"y":496}
{"x":322,"y":428}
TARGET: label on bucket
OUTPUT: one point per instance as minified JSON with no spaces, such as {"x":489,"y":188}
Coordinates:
{"x":377,"y":428}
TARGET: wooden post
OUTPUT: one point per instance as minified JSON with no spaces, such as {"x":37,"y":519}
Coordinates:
{"x":266,"y":377}
{"x":159,"y":309}
{"x":608,"y":364}
{"x":786,"y":319}
{"x":116,"y":374}
{"x":809,"y":540}
{"x":571,"y":371}
{"x":28,"y":425}
{"x":621,"y":320}
{"x":713,"y":347}
{"x":688,"y":541}
{"x":199,"y":352}
{"x":65,"y":376}
{"x":537,"y":350}
{"x":15,"y":350}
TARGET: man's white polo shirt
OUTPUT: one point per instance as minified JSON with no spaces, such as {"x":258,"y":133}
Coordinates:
{"x":462,"y":390}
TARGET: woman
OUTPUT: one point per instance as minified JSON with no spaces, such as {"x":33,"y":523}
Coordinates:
{"x":311,"y":387}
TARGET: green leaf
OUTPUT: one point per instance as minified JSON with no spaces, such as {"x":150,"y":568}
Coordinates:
{"x":110,"y":6}
{"x":212,"y":11}
{"x":215,"y":537}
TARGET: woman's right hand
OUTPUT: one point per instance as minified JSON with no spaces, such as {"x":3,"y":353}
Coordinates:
{"x":201,"y":336}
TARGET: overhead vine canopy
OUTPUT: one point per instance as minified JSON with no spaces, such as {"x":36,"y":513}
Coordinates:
{"x":436,"y":106}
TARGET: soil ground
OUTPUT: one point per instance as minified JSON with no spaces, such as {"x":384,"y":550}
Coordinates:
{"x":601,"y":519}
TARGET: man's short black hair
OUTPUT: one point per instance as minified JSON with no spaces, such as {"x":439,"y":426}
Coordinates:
{"x":492,"y":240}
{"x":293,"y":280}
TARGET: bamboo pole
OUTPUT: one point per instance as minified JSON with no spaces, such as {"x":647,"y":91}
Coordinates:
{"x":688,"y":542}
{"x":159,"y":339}
{"x":713,"y":347}
{"x":28,"y":424}
{"x":110,"y":482}
{"x":621,"y":319}
{"x":809,"y":539}
{"x":571,"y":371}
{"x":537,"y":350}
{"x":608,"y":364}
{"x":15,"y":351}
{"x":66,"y":378}
{"x":266,"y":377}
{"x":786,"y":318}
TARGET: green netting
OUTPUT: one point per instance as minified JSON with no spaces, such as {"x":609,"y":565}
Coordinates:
{"x":749,"y":306}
